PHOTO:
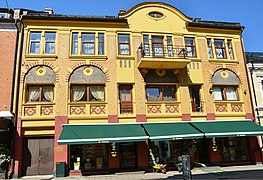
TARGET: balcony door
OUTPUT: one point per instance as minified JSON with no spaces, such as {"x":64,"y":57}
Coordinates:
{"x":195,"y":98}
{"x":125,"y":96}
{"x":157,"y":46}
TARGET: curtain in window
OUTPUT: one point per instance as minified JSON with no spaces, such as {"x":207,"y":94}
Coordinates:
{"x":33,"y":93}
{"x":231,"y":93}
{"x":48,"y":93}
{"x":217,"y":93}
{"x":78,"y":92}
{"x":97,"y":92}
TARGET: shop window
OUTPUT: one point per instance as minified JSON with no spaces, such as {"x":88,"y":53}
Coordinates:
{"x":233,"y":149}
{"x":190,"y":46}
{"x":40,"y":93}
{"x":225,"y":93}
{"x":124,"y":44}
{"x":88,"y":157}
{"x":161,"y":93}
{"x":87,"y":93}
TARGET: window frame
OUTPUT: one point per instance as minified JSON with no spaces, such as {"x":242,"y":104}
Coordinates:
{"x":192,"y":46}
{"x":124,"y":43}
{"x":83,"y":42}
{"x":50,"y":41}
{"x":41,"y":95}
{"x":159,"y":44}
{"x":126,"y":106}
{"x":210,"y":47}
{"x":230,"y":49}
{"x":223,"y":48}
{"x":101,"y":42}
{"x":34,"y":41}
{"x":87,"y":92}
{"x":223,"y":90}
{"x":161,"y":94}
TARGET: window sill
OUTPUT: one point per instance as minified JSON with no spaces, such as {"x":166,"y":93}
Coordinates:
{"x":87,"y":102}
{"x":129,"y":57}
{"x":84,"y":57}
{"x":42,"y":56}
{"x":223,"y":61}
{"x":38,"y":103}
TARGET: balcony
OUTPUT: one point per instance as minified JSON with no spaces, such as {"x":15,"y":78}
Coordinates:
{"x":162,"y":57}
{"x":229,"y":107}
{"x":92,"y":109}
{"x":163,"y":108}
{"x":45,"y":110}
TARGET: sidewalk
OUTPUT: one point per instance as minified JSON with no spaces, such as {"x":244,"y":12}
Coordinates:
{"x":214,"y":172}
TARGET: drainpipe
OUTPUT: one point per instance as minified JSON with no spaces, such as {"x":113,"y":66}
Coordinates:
{"x":16,"y":94}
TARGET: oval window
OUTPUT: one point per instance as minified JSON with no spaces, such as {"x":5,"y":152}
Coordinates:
{"x":156,"y":14}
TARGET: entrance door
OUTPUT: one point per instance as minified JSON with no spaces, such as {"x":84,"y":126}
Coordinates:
{"x":38,"y":156}
{"x":128,"y":158}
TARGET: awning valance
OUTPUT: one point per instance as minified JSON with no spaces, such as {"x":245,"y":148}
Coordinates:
{"x":105,"y":133}
{"x":171,"y":131}
{"x":228,"y":128}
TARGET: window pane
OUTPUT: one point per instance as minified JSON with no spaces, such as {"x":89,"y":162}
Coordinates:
{"x":35,"y":36}
{"x":146,"y":47}
{"x":50,"y":48}
{"x":124,"y":44}
{"x":74,"y":43}
{"x":47,"y":94}
{"x":50,"y":36}
{"x":230,"y":49}
{"x":88,"y":37}
{"x":125,"y":93}
{"x":96,"y":93}
{"x":79,"y":93}
{"x":123,"y":38}
{"x":220,"y":53}
{"x":124,"y":49}
{"x":33,"y":93}
{"x":209,"y":46}
{"x":218,"y":93}
{"x":153,"y":93}
{"x":101,"y":44}
{"x":190,"y":47}
{"x":157,"y":50}
{"x":88,"y":43}
{"x":169,"y":93}
{"x":231,"y":93}
{"x":87,"y":48}
{"x":35,"y":47}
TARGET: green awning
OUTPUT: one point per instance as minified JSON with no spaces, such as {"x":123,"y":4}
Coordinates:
{"x":229,"y":128}
{"x":106,"y":133}
{"x":171,"y":131}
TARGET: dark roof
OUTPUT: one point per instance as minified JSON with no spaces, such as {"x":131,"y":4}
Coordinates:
{"x":41,"y":15}
{"x":256,"y":57}
{"x":214,"y":24}
{"x":6,"y":10}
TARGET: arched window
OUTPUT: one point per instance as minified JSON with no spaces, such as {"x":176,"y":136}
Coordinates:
{"x":87,"y":83}
{"x":225,"y":85}
{"x":40,"y":84}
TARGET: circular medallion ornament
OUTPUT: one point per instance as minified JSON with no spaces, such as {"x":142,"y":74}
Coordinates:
{"x":160,"y":72}
{"x":88,"y":71}
{"x":224,"y":74}
{"x":41,"y":71}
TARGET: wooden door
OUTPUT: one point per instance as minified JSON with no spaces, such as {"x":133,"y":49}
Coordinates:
{"x":38,"y":156}
{"x":128,"y":158}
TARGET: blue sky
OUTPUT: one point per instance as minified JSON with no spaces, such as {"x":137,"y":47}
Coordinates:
{"x":247,"y":12}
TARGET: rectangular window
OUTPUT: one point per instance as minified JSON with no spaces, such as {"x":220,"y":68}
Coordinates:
{"x":40,"y":93}
{"x":190,"y":46}
{"x":225,"y":93}
{"x":220,"y":48}
{"x":87,"y":93}
{"x":125,"y":96}
{"x":230,"y":49}
{"x":124,"y":44}
{"x":101,"y":44}
{"x":195,"y":98}
{"x":88,"y":43}
{"x":35,"y":39}
{"x":74,"y":47}
{"x":50,"y":42}
{"x":161,"y":93}
{"x":157,"y":46}
{"x":209,"y":48}
{"x":146,"y":47}
{"x":169,"y":46}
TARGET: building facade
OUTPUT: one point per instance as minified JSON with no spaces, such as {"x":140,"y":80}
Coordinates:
{"x":8,"y":37}
{"x":97,"y":93}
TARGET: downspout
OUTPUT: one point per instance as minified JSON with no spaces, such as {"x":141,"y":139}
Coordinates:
{"x":17,"y":81}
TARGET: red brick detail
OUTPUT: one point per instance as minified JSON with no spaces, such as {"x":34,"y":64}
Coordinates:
{"x":46,"y":110}
{"x":97,"y":109}
{"x":141,"y":118}
{"x":154,"y":109}
{"x":31,"y":65}
{"x":211,"y":116}
{"x":30,"y":111}
{"x":186,"y":117}
{"x":221,"y":107}
{"x":172,"y":109}
{"x":113,"y":119}
{"x":60,"y":151}
{"x":18,"y":139}
{"x":250,"y":116}
{"x":84,"y":64}
{"x":236,"y":108}
{"x":77,"y":110}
